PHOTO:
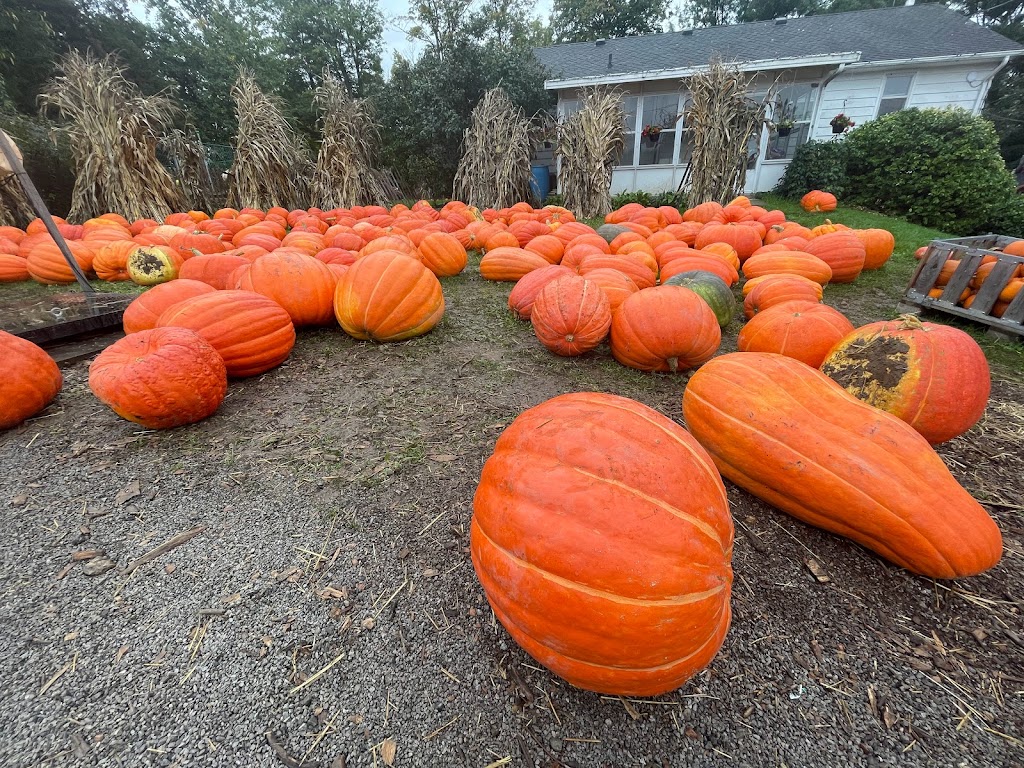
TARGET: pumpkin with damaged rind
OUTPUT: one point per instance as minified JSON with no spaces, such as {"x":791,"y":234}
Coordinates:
{"x":153,"y":264}
{"x":525,"y":291}
{"x":803,"y":330}
{"x":571,"y":316}
{"x":160,"y":378}
{"x":602,"y":538}
{"x":791,"y":436}
{"x":668,"y":328}
{"x":388,"y":296}
{"x":146,"y":308}
{"x":251,"y":332}
{"x":932,"y":376}
{"x":30,"y":382}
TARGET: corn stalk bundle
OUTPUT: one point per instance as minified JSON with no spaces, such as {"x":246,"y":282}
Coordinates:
{"x":720,"y":120}
{"x":589,"y":145}
{"x":270,"y":165}
{"x":113,"y":130}
{"x":188,"y":156}
{"x":496,"y":149}
{"x":346,"y":172}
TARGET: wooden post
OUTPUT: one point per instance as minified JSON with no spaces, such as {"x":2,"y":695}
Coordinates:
{"x":14,"y":161}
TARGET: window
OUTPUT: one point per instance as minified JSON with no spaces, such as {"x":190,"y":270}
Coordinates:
{"x":629,"y":106}
{"x":662,"y":112}
{"x":894,"y":94}
{"x":793,"y":104}
{"x":569,"y":107}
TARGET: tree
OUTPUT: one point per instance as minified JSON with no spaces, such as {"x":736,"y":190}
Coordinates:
{"x":581,"y":20}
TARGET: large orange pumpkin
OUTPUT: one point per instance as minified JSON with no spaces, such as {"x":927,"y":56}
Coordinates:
{"x":47,"y":265}
{"x":521,"y":299}
{"x":251,"y":332}
{"x":13,"y":268}
{"x":548,"y":246}
{"x":635,"y":267}
{"x":111,"y":261}
{"x":388,"y":296}
{"x":146,"y":308}
{"x":602,"y":538}
{"x":301,"y":284}
{"x":160,"y":378}
{"x":214,"y":269}
{"x":571,"y":316}
{"x":30,"y":381}
{"x":932,"y":376}
{"x":804,"y":330}
{"x":793,"y":437}
{"x":816,"y":201}
{"x":443,"y":254}
{"x":878,"y":246}
{"x":617,"y":285}
{"x":744,"y":239}
{"x":842,"y":251}
{"x":508,"y":264}
{"x":668,"y":328}
{"x":771,"y":290}
{"x":788,"y":263}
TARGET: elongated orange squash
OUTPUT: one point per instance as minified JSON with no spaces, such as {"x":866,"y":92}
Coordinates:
{"x":793,"y":437}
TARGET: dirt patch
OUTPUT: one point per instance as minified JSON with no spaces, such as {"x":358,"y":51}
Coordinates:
{"x":331,"y":603}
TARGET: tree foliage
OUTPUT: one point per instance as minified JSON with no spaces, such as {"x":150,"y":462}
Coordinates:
{"x":580,"y":20}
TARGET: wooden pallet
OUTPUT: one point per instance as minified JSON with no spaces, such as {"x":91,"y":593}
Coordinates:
{"x":970,"y":251}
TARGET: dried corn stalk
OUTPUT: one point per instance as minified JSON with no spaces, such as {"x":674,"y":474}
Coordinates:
{"x":270,"y":167}
{"x":188,"y":156}
{"x":15,"y":210}
{"x":589,"y":146}
{"x":113,"y":129}
{"x":721,"y":119}
{"x":496,"y":149}
{"x":346,"y":172}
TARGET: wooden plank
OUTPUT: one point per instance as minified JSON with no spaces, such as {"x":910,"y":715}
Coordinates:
{"x":1015,"y":312}
{"x":994,"y":283}
{"x":1011,"y":327}
{"x":969,"y":263}
{"x":932,"y":266}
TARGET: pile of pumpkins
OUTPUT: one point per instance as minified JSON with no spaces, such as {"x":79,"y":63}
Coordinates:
{"x":625,"y":281}
{"x":1011,"y":285}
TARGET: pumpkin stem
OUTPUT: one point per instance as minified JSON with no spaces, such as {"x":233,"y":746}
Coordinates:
{"x":910,"y":322}
{"x":673,"y":364}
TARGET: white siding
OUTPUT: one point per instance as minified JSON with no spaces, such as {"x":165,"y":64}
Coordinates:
{"x":948,"y":87}
{"x":855,"y":95}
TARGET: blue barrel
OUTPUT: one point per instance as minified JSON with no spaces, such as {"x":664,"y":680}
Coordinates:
{"x":540,"y":181}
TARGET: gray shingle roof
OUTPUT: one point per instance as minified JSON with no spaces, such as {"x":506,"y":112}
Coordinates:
{"x":883,"y":34}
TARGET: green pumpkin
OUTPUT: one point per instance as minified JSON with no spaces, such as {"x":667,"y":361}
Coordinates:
{"x":712,"y":289}
{"x":610,"y":231}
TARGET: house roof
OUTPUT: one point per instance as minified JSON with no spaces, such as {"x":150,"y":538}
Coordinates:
{"x":883,"y":34}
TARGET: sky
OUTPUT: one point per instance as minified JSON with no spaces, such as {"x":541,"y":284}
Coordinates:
{"x":395,"y":41}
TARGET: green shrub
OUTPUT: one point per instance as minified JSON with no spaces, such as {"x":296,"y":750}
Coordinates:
{"x":555,"y":199}
{"x":46,"y":156}
{"x":646,"y":199}
{"x":816,"y":165}
{"x":937,"y":167}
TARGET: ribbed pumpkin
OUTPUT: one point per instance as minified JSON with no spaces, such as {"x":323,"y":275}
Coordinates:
{"x":617,"y":286}
{"x":111,"y":261}
{"x":932,"y":376}
{"x":30,"y":381}
{"x":702,"y":213}
{"x":153,"y":264}
{"x":525,"y":291}
{"x":299,"y":283}
{"x":744,"y":239}
{"x":803,"y":330}
{"x":46,"y":263}
{"x":146,"y":308}
{"x":837,"y":463}
{"x":160,"y":378}
{"x":548,"y":246}
{"x":251,"y":332}
{"x":700,"y":261}
{"x":668,"y":328}
{"x":571,"y":316}
{"x":788,"y":263}
{"x":13,"y":268}
{"x":602,"y":538}
{"x":777,"y":289}
{"x":635,"y":267}
{"x":713,"y":289}
{"x":842,"y":251}
{"x":214,"y":269}
{"x":443,"y":254}
{"x":388,"y":297}
{"x":878,"y":246}
{"x":816,"y":200}
{"x":508,"y":264}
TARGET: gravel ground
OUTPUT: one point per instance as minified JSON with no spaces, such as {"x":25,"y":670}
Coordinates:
{"x":327,"y":612}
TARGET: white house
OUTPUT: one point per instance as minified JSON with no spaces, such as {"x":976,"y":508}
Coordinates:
{"x":863,"y":64}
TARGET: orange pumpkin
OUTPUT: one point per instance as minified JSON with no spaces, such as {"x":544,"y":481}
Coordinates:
{"x":30,"y":382}
{"x":635,"y":267}
{"x":668,"y":328}
{"x":771,"y":290}
{"x":548,"y":246}
{"x":932,"y":376}
{"x":160,"y":378}
{"x":46,"y":263}
{"x":251,"y":332}
{"x":602,"y":538}
{"x":443,"y":254}
{"x":788,"y":263}
{"x":521,"y":299}
{"x":745,"y":240}
{"x":702,"y":213}
{"x":1016,"y":248}
{"x":803,"y":330}
{"x":878,"y":246}
{"x":617,"y":286}
{"x":571,"y":316}
{"x":843,"y":252}
{"x":146,"y":308}
{"x":816,"y":200}
{"x":837,"y":463}
{"x":388,"y":296}
{"x":302,"y":285}
{"x":213,"y":269}
{"x":111,"y":260}
{"x":13,"y":268}
{"x":508,"y":264}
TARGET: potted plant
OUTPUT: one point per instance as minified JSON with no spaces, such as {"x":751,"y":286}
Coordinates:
{"x":841,"y":123}
{"x":652,"y":133}
{"x":784,"y":127}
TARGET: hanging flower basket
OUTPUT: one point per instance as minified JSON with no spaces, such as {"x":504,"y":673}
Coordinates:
{"x":652,"y":133}
{"x":840,"y":123}
{"x":784,"y":130}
